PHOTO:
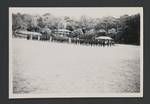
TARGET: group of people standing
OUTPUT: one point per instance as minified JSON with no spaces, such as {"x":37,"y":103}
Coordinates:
{"x":93,"y":42}
{"x":90,"y":42}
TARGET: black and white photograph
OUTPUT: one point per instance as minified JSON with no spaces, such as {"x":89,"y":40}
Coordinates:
{"x":65,"y":52}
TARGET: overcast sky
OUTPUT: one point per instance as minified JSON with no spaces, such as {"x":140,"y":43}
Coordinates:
{"x":76,"y":12}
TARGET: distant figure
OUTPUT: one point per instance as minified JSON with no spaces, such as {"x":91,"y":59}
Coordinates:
{"x":28,"y":37}
{"x":103,"y":42}
{"x":69,"y":40}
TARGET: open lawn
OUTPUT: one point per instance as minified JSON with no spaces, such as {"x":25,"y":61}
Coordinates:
{"x":49,"y":67}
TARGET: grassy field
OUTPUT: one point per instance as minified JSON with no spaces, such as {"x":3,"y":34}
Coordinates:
{"x":46,"y":67}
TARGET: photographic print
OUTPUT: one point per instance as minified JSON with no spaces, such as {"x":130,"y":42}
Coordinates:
{"x":64,"y":52}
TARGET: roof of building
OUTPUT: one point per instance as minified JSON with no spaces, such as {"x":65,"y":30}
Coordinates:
{"x":104,"y":37}
{"x":63,"y":30}
{"x":102,"y":30}
{"x":28,"y":32}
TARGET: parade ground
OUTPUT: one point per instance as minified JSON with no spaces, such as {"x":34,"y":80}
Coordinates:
{"x":50,"y":67}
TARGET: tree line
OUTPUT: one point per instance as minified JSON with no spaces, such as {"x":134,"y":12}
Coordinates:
{"x":125,"y":29}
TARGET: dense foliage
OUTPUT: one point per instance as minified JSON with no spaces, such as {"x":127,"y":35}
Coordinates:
{"x":125,"y":29}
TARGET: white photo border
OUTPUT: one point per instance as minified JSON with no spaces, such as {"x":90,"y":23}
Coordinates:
{"x":79,"y":95}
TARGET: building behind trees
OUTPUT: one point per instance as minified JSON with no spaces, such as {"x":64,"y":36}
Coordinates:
{"x":124,"y":30}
